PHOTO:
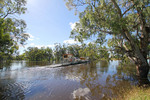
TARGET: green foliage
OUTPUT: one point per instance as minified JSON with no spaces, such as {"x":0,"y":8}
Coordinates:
{"x":92,"y":50}
{"x":20,"y":57}
{"x":126,"y":21}
{"x":42,"y":54}
{"x":73,"y":49}
{"x":11,"y":29}
{"x":59,"y":51}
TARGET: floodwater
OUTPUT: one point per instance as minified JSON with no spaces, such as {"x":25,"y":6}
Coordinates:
{"x":21,"y":80}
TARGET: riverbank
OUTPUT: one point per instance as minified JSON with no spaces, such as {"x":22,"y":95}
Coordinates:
{"x":136,"y":93}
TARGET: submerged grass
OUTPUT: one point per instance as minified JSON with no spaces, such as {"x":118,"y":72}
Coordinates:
{"x":135,"y":93}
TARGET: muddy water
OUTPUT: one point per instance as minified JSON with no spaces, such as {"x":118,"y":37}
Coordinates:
{"x":22,"y":80}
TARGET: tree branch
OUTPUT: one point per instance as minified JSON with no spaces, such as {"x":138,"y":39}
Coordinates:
{"x":109,"y":32}
{"x":118,"y":8}
{"x":128,"y":9}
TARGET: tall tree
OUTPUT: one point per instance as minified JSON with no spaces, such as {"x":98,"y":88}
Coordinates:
{"x":73,"y":49}
{"x":49,"y":53}
{"x":125,"y":20}
{"x":11,"y":29}
{"x":58,"y":52}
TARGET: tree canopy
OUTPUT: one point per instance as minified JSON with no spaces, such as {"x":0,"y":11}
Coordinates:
{"x":12,"y":33}
{"x":126,"y":21}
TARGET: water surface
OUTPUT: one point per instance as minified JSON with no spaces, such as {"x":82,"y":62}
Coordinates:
{"x":21,"y":80}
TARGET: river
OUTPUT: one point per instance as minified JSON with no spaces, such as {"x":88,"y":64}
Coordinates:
{"x":22,"y":80}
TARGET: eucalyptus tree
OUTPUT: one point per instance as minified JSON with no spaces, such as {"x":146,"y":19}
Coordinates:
{"x":103,"y":52}
{"x":31,"y":53}
{"x":39,"y":54}
{"x":89,"y":51}
{"x":73,"y":49}
{"x":49,"y":54}
{"x":128,"y":21}
{"x":57,"y":52}
{"x":94,"y":51}
{"x":11,"y":29}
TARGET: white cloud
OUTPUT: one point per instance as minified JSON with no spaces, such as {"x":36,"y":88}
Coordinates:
{"x":75,"y":26}
{"x":72,"y":25}
{"x":39,"y":46}
{"x":45,"y":46}
{"x":51,"y":46}
{"x":70,"y":41}
{"x":31,"y":37}
{"x":32,"y":44}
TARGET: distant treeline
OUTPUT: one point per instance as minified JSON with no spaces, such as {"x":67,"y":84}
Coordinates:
{"x":91,"y":50}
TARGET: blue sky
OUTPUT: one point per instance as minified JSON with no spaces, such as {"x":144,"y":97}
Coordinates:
{"x":48,"y":22}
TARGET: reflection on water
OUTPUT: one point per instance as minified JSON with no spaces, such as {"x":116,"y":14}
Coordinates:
{"x":17,"y":65}
{"x":37,"y":80}
{"x":81,"y":93}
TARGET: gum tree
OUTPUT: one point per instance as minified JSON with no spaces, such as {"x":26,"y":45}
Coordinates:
{"x":11,"y":29}
{"x":127,"y":21}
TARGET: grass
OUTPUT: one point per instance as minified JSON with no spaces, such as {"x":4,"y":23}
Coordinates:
{"x":136,"y":93}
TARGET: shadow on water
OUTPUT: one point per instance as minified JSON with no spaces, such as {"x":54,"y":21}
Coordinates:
{"x":91,"y":81}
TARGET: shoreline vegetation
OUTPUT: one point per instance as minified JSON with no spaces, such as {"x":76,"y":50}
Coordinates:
{"x":98,"y":20}
{"x":91,"y":50}
{"x":135,"y":93}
